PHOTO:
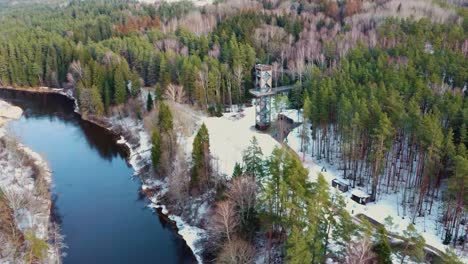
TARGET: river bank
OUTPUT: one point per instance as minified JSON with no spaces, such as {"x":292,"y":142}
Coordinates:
{"x":129,"y":132}
{"x":25,"y":200}
{"x":9,"y":112}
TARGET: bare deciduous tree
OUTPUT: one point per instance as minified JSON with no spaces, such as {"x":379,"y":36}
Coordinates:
{"x":225,"y":219}
{"x":215,"y":51}
{"x":238,"y":75}
{"x":58,"y":242}
{"x":198,"y":23}
{"x":300,"y":60}
{"x":276,"y":67}
{"x":175,"y":93}
{"x":76,"y":70}
{"x":179,"y":179}
{"x":203,"y":76}
{"x":360,"y":252}
{"x":16,"y":200}
{"x":243,"y":192}
{"x":237,"y":252}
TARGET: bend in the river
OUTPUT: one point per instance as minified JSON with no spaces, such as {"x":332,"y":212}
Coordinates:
{"x":102,"y":214}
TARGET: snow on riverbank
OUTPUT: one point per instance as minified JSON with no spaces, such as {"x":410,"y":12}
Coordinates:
{"x":140,"y":159}
{"x":25,"y":179}
{"x":8,"y":112}
{"x":139,"y":146}
{"x":191,"y":234}
{"x":230,"y":135}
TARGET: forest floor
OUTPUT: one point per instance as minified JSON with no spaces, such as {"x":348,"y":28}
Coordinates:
{"x":25,"y":179}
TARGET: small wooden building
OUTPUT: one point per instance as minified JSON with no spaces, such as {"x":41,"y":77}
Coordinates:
{"x":340,"y":185}
{"x":287,"y":119}
{"x":360,"y":197}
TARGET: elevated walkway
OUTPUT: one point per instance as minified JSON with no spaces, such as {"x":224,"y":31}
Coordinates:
{"x":280,"y":89}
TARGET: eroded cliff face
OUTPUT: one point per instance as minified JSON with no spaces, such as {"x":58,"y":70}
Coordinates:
{"x":25,"y":200}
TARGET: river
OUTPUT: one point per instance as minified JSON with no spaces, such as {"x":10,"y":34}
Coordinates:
{"x":97,"y":202}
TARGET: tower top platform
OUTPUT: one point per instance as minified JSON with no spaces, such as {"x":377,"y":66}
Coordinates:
{"x":263,"y":67}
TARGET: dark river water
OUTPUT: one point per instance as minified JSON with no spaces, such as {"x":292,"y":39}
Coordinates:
{"x":102,"y":215}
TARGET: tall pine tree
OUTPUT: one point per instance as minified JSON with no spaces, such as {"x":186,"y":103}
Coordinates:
{"x":201,"y":167}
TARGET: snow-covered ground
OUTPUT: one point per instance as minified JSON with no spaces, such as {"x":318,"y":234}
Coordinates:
{"x":230,"y":135}
{"x":140,"y":159}
{"x":8,"y":112}
{"x":386,"y":205}
{"x":19,"y":169}
{"x":191,"y":234}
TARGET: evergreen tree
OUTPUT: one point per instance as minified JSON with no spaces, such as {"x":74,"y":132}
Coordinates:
{"x":149,"y":102}
{"x":37,"y":250}
{"x":201,"y":168}
{"x":166,"y":122}
{"x":274,"y":190}
{"x":134,"y":83}
{"x":318,"y":213}
{"x":305,"y":123}
{"x":451,"y":257}
{"x":106,"y":96}
{"x":382,"y":249}
{"x":381,"y":134}
{"x":253,"y":160}
{"x":164,"y":75}
{"x":153,"y":70}
{"x":237,"y":171}
{"x":97,"y":104}
{"x":413,"y":245}
{"x":458,"y":184}
{"x":297,"y":248}
{"x":166,"y":139}
{"x":90,"y":100}
{"x":343,"y":226}
{"x":120,"y":86}
{"x":156,"y":148}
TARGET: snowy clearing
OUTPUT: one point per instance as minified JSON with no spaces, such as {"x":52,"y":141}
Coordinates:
{"x":230,"y":135}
